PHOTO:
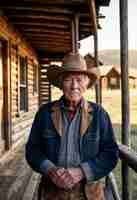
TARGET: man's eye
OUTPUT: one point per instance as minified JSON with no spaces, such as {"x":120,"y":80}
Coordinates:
{"x":67,"y":80}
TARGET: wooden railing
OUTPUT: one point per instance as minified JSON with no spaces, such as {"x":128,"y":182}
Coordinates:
{"x":112,"y":188}
{"x":130,"y":158}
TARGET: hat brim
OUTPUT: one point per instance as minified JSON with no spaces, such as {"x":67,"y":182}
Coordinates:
{"x":54,"y":73}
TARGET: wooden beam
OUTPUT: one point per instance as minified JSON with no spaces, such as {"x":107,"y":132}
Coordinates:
{"x":124,"y":70}
{"x":54,"y":50}
{"x":52,"y":45}
{"x":58,"y":2}
{"x":49,"y":43}
{"x":128,"y":156}
{"x":73,"y":35}
{"x":93,"y":15}
{"x":7,"y":93}
{"x":76,"y":20}
{"x":38,"y":16}
{"x":97,"y":85}
{"x":35,"y":10}
{"x":44,"y":31}
{"x":87,"y":29}
{"x":47,"y":9}
{"x":56,"y":40}
{"x":86,"y":24}
{"x":44,"y":36}
{"x":39,"y":24}
{"x":48,"y":37}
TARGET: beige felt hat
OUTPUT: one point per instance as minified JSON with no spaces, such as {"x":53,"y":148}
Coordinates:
{"x":72,"y":62}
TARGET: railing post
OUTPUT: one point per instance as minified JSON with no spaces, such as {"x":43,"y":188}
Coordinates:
{"x":125,"y":91}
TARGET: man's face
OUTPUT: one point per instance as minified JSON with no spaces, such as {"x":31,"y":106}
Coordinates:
{"x":74,"y":85}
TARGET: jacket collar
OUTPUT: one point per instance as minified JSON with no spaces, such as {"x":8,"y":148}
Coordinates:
{"x":86,"y":117}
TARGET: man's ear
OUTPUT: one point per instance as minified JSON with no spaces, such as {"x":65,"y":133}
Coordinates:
{"x":87,"y":81}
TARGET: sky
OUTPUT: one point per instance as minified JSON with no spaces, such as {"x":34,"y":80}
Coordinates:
{"x":109,"y":36}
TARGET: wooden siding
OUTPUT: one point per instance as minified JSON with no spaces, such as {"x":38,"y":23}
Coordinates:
{"x":20,"y":121}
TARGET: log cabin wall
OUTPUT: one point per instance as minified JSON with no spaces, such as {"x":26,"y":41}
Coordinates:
{"x":18,"y":49}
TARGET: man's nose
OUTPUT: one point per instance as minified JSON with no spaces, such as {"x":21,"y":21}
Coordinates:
{"x":75,"y":83}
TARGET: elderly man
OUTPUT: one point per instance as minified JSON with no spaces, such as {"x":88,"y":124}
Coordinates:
{"x":72,"y":142}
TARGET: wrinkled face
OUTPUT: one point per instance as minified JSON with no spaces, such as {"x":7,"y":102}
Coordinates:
{"x":74,"y":86}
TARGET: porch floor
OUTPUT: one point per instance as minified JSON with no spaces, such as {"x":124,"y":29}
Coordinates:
{"x":17,"y":180}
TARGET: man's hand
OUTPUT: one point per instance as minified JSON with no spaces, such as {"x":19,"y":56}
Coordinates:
{"x":61,"y":177}
{"x":76,"y":174}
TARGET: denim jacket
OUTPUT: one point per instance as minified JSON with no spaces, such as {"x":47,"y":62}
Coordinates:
{"x":98,"y":147}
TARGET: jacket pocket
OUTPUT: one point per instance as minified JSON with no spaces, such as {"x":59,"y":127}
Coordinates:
{"x":90,"y":147}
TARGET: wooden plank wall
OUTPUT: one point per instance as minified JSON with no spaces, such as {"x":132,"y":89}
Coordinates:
{"x":33,"y":97}
{"x":14,"y":80}
{"x":20,"y":121}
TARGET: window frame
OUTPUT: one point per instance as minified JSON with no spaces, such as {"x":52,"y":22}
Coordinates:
{"x":23,"y":84}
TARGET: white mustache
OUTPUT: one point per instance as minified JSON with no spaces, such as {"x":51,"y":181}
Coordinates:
{"x":75,"y":91}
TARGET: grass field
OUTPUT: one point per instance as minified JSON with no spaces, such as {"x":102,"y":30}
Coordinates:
{"x":111,"y":101}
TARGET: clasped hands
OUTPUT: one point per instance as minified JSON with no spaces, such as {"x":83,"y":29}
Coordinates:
{"x":65,"y":178}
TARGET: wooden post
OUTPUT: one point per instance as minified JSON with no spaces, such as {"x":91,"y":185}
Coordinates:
{"x":125,"y":91}
{"x":92,"y":8}
{"x":97,"y":86}
{"x":75,"y":33}
{"x":7,"y":94}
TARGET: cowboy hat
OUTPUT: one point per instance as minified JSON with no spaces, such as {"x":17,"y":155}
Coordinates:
{"x":72,"y":62}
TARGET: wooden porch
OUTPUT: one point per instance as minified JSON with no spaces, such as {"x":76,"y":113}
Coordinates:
{"x":32,"y":34}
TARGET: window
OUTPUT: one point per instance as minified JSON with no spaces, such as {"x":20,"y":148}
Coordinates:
{"x":35,"y":79}
{"x":23,"y":84}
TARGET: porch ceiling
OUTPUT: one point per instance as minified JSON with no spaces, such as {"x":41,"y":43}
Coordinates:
{"x":46,"y":24}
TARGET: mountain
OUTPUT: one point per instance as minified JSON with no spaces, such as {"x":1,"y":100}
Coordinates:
{"x":110,"y":57}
